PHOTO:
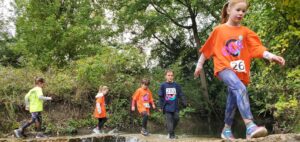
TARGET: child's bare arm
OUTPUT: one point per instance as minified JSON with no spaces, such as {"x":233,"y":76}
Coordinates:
{"x":278,"y":59}
{"x":199,"y":65}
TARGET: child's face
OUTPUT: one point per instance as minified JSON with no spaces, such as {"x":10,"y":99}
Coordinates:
{"x":41,"y":84}
{"x":144,"y":86}
{"x":169,"y":77}
{"x":237,"y":12}
{"x":104,"y":92}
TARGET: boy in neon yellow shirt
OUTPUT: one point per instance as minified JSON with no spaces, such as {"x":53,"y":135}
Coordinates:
{"x":34,"y":103}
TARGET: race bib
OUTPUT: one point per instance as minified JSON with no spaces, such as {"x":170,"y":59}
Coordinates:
{"x":147,"y":105}
{"x":170,"y":94}
{"x":238,"y":66}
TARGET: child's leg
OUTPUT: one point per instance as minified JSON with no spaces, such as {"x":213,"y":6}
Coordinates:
{"x":176,"y":120}
{"x":33,"y":120}
{"x":230,"y":109}
{"x":229,"y":116}
{"x":145,"y":119}
{"x":101,"y":122}
{"x":169,"y":122}
{"x":238,"y":89}
{"x":38,"y":122}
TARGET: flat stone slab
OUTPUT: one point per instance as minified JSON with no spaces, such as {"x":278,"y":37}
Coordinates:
{"x":152,"y":138}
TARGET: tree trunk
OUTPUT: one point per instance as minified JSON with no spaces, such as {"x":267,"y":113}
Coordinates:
{"x":198,"y":44}
{"x":202,"y":73}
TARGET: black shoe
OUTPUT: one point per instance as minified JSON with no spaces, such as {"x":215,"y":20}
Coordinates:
{"x":172,"y":136}
{"x":18,"y":133}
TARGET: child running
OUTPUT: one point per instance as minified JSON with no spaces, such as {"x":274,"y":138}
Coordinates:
{"x":232,"y":47}
{"x":100,"y":110}
{"x":169,"y":92}
{"x":34,"y":103}
{"x":143,"y":98}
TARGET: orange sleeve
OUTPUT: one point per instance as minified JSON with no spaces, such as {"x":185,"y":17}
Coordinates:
{"x":136,"y":95}
{"x":207,"y":48}
{"x":256,"y":47}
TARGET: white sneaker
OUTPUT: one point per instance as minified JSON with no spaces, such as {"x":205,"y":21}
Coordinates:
{"x":96,"y":130}
{"x":18,"y":133}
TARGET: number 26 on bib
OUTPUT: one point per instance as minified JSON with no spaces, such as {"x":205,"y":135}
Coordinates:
{"x":238,"y":65}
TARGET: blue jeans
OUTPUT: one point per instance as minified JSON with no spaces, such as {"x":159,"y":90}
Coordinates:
{"x":237,"y":96}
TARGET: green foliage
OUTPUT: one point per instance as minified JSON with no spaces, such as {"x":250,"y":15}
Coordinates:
{"x":185,"y":112}
{"x":58,"y":32}
{"x":118,"y":68}
{"x":277,"y":89}
{"x":76,"y":46}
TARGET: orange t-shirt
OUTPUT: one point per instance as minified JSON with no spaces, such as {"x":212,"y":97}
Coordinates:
{"x":143,"y":99}
{"x":233,"y":48}
{"x":100,"y":107}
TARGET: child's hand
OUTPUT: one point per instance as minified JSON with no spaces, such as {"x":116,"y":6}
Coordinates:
{"x":197,"y":72}
{"x":133,"y":108}
{"x":27,"y":108}
{"x":278,"y":60}
{"x":153,"y":106}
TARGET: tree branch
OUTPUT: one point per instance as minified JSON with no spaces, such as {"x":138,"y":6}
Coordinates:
{"x":162,"y":42}
{"x":163,"y":12}
{"x":208,"y":8}
{"x":182,"y":3}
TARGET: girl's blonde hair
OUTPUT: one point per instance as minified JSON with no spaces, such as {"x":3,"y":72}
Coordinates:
{"x":102,"y":88}
{"x":229,"y":4}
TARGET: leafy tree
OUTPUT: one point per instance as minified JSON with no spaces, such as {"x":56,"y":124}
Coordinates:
{"x":170,"y":22}
{"x":277,"y":22}
{"x":58,"y":32}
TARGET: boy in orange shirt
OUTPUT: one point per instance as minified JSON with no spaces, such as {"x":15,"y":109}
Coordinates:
{"x":143,"y":98}
{"x":100,"y":110}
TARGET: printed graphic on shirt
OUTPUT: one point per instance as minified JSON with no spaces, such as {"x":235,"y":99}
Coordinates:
{"x":170,"y":94}
{"x":233,"y":47}
{"x":146,"y":97}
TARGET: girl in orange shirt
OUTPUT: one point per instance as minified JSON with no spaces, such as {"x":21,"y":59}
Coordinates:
{"x":100,"y":110}
{"x":232,"y":47}
{"x":143,"y":98}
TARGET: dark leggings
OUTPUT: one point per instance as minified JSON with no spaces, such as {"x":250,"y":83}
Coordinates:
{"x":172,"y":119}
{"x":101,"y":122}
{"x":36,"y":118}
{"x":145,"y":119}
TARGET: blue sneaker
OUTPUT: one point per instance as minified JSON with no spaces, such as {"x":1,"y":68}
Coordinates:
{"x":227,"y":134}
{"x":254,"y":131}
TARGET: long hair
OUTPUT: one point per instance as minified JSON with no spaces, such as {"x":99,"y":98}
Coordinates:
{"x":229,"y":4}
